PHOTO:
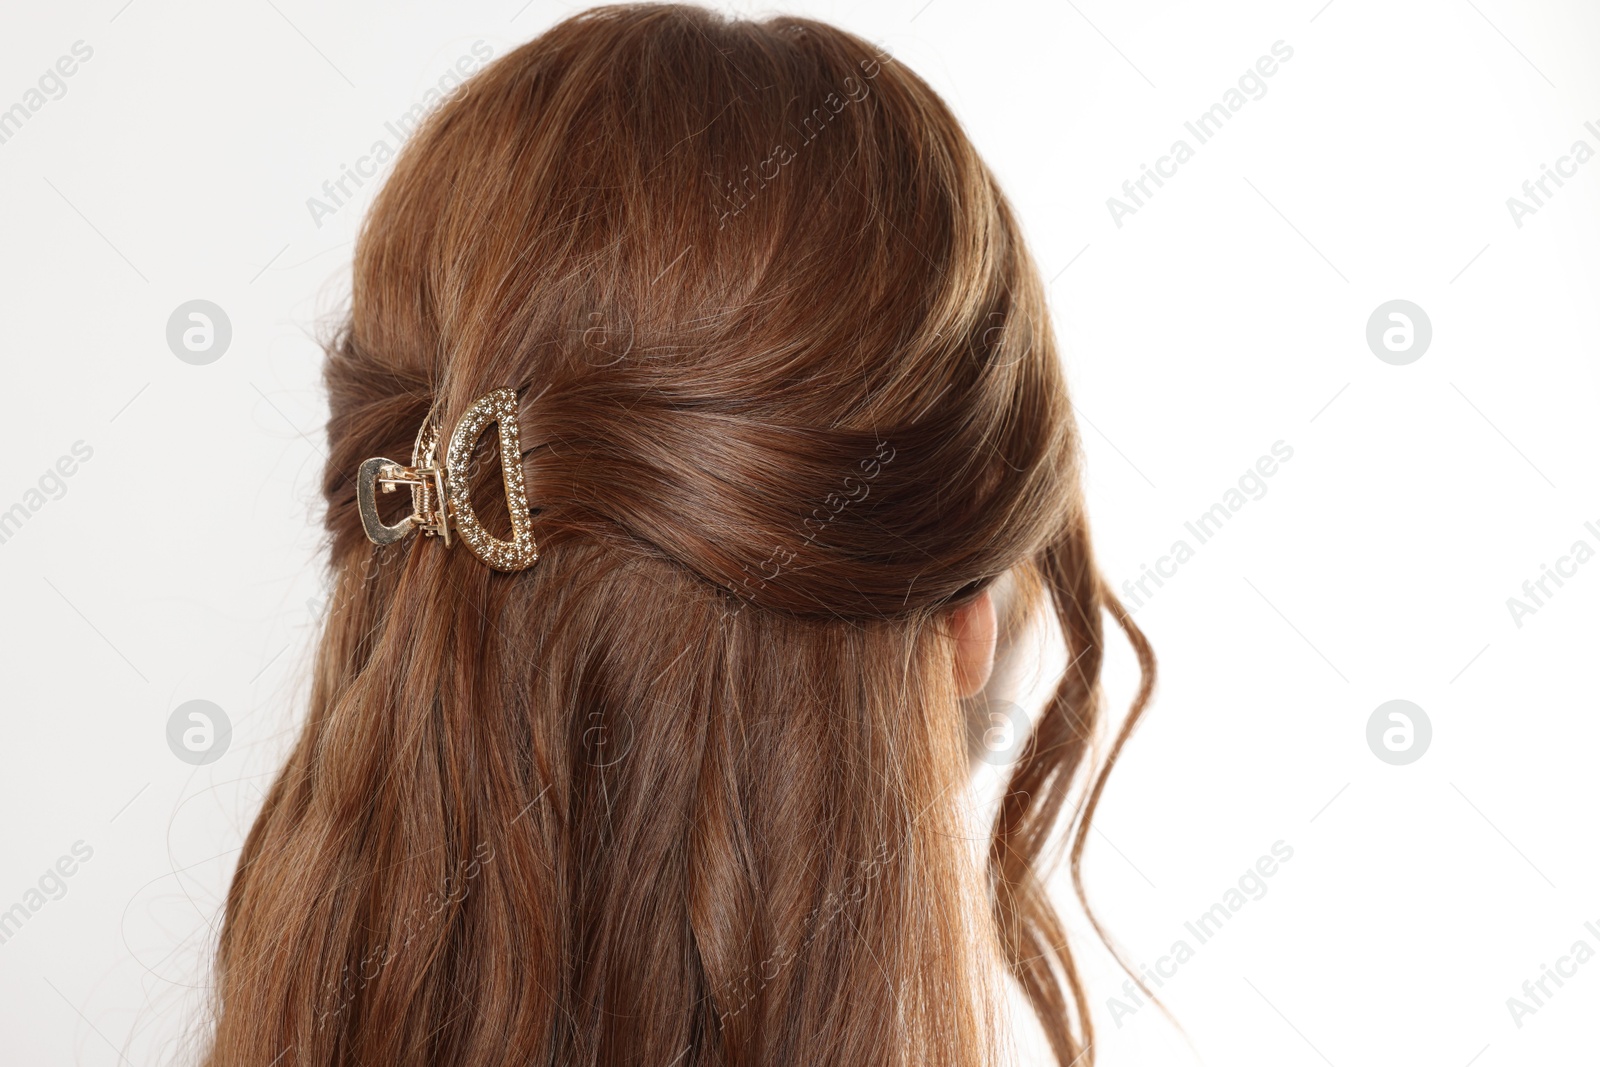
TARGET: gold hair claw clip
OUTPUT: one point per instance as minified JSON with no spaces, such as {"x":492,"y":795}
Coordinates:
{"x":440,"y":494}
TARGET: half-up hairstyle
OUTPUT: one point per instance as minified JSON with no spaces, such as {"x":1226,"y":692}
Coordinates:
{"x":688,"y":792}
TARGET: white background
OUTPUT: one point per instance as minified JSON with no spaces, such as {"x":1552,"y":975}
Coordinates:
{"x":1227,"y":314}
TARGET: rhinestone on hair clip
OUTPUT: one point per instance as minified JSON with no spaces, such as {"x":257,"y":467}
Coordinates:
{"x":440,"y":494}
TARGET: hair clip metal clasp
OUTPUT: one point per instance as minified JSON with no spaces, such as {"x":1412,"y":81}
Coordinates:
{"x":440,"y":491}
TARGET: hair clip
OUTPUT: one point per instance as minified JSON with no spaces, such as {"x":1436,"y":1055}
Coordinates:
{"x":440,"y":493}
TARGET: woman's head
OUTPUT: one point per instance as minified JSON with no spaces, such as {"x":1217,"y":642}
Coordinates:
{"x":687,"y":791}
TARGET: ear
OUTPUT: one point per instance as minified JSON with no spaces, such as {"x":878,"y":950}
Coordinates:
{"x":974,"y":627}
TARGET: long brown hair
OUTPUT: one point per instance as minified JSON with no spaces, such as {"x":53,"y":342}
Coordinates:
{"x":688,"y":791}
